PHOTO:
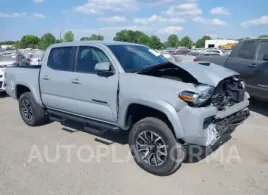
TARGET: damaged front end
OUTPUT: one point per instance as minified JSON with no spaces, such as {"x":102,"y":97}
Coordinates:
{"x":226,"y":108}
{"x":231,"y":100}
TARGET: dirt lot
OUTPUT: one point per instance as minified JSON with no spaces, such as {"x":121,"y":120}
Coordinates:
{"x":240,"y":166}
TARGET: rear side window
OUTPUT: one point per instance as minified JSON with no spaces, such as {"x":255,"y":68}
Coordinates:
{"x":263,"y":49}
{"x":61,"y":58}
{"x":88,"y":57}
{"x":247,"y":51}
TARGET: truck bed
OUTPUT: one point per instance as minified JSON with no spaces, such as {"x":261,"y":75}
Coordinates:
{"x":27,"y":75}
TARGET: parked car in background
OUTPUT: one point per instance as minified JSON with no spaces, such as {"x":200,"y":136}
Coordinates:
{"x":168,"y":56}
{"x":188,"y":57}
{"x":180,"y":55}
{"x":8,"y":59}
{"x":13,"y":59}
{"x":181,"y":51}
{"x":114,"y":86}
{"x":35,"y":58}
{"x":2,"y":79}
{"x":250,"y":59}
{"x":215,"y":51}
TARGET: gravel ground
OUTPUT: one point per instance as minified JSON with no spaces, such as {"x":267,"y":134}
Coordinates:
{"x":36,"y":161}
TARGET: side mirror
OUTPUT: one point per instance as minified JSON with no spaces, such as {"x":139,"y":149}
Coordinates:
{"x":104,"y":68}
{"x":265,"y":57}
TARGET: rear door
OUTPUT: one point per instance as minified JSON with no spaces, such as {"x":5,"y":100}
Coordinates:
{"x":260,"y":81}
{"x":55,"y":78}
{"x":244,"y":62}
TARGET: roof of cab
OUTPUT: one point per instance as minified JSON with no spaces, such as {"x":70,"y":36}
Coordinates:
{"x":107,"y":43}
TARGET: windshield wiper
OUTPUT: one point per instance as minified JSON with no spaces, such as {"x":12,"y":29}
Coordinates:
{"x":149,"y":68}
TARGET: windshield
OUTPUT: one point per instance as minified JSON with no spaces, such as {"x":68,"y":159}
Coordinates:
{"x":135,"y":57}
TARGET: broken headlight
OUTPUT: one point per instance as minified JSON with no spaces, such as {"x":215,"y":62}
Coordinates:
{"x":198,"y":98}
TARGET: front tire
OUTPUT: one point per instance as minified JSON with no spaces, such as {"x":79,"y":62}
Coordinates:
{"x":154,"y":147}
{"x":31,"y":112}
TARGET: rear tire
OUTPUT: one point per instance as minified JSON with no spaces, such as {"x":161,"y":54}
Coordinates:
{"x":31,"y":112}
{"x":154,"y":147}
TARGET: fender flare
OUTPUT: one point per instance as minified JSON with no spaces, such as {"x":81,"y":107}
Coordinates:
{"x":159,"y":105}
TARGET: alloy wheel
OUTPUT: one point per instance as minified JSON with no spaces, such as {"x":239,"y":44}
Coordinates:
{"x":151,"y":148}
{"x":27,"y":110}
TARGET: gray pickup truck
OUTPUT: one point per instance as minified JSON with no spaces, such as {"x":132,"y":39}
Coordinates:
{"x":250,"y":59}
{"x":123,"y":86}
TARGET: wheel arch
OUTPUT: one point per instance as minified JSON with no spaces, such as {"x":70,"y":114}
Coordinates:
{"x":149,"y":108}
{"x":23,"y":88}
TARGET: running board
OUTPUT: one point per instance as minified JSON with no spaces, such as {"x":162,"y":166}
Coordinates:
{"x":88,"y":125}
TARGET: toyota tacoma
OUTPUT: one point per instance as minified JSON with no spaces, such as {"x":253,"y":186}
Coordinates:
{"x":116,"y":86}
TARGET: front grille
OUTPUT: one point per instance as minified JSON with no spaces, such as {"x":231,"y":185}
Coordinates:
{"x":1,"y":83}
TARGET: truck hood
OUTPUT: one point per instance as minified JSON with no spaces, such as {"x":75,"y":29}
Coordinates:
{"x":207,"y":73}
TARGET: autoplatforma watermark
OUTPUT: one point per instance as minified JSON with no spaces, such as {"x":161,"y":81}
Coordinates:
{"x":87,"y":154}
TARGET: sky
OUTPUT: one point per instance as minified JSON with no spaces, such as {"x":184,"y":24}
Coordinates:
{"x":194,"y":18}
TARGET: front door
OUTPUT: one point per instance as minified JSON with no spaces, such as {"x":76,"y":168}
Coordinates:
{"x":94,"y":96}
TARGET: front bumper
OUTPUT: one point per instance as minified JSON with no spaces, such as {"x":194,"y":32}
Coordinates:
{"x":204,"y":126}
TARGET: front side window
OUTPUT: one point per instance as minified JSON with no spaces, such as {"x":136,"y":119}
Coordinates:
{"x":61,"y":58}
{"x":88,"y":57}
{"x":135,"y":57}
{"x":263,"y":49}
{"x":247,"y":51}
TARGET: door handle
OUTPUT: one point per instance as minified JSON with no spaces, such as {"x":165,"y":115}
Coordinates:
{"x":253,"y":65}
{"x":46,"y":78}
{"x":76,"y":81}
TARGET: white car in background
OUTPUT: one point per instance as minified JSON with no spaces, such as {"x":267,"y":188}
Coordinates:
{"x":9,"y":60}
{"x":215,"y":51}
{"x":35,"y":58}
{"x":2,"y":79}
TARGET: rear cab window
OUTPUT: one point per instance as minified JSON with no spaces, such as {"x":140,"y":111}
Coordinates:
{"x":61,"y":58}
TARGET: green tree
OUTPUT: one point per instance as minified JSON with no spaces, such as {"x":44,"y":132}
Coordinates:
{"x":69,"y":36}
{"x":7,"y":42}
{"x":46,"y":40}
{"x":155,"y":42}
{"x":92,"y":37}
{"x":144,"y":39}
{"x":122,"y":36}
{"x":128,"y":36}
{"x":263,"y":36}
{"x":201,"y":42}
{"x":18,"y":45}
{"x":186,"y":42}
{"x":59,"y":40}
{"x":29,"y":41}
{"x":173,"y":41}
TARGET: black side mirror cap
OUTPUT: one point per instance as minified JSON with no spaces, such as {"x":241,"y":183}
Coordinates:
{"x":105,"y":73}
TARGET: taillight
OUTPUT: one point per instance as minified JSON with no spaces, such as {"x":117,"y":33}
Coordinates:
{"x":195,"y":60}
